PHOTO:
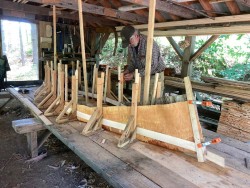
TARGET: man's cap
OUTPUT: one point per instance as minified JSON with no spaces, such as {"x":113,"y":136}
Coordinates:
{"x":126,"y":33}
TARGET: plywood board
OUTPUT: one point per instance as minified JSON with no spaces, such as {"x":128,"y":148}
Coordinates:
{"x":170,"y":119}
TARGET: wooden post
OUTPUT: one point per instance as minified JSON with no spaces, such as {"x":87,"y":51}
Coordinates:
{"x":120,"y":85}
{"x":95,"y":71}
{"x":186,"y":64}
{"x":150,"y":39}
{"x":83,"y":51}
{"x":66,"y":83}
{"x":54,"y":35}
{"x":194,"y":119}
{"x":158,"y":92}
{"x":155,"y":88}
{"x":106,"y":83}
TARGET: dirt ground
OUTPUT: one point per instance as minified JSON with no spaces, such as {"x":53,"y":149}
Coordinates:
{"x":61,"y":167}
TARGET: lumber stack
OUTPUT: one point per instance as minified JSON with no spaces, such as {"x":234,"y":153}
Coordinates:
{"x":232,"y":89}
{"x":235,"y":120}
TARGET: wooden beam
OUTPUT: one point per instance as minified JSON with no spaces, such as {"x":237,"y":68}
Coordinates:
{"x":204,"y":47}
{"x":235,"y":29}
{"x":203,"y":21}
{"x":150,"y":40}
{"x":131,"y":8}
{"x":244,"y":2}
{"x":166,"y":7}
{"x":176,"y":47}
{"x":207,"y":7}
{"x":99,"y":10}
{"x":83,"y":51}
{"x":233,"y":7}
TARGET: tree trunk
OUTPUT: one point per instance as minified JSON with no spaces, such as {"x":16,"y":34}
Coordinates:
{"x":21,"y":45}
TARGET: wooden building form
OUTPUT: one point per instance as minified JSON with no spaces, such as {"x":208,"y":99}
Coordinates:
{"x":174,"y":126}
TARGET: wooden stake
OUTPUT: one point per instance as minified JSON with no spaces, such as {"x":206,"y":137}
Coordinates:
{"x":150,"y":38}
{"x":83,"y":50}
{"x":158,"y":92}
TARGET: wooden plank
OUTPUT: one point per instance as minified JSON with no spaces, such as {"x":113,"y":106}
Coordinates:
{"x":154,"y":88}
{"x":187,"y":23}
{"x":150,"y":40}
{"x":226,"y":140}
{"x":163,"y":176}
{"x":117,"y":172}
{"x":83,"y":50}
{"x":215,"y":30}
{"x":23,"y":126}
{"x":194,"y":120}
{"x":4,"y":95}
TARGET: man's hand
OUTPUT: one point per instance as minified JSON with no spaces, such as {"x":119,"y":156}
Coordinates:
{"x":128,"y":76}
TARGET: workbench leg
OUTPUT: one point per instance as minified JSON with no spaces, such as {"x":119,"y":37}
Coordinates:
{"x":32,"y":144}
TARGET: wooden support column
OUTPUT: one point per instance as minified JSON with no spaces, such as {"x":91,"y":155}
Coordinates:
{"x":150,"y":38}
{"x":155,"y":88}
{"x":54,"y":36}
{"x":66,"y":83}
{"x":186,"y":65}
{"x":83,"y":51}
{"x":106,"y":83}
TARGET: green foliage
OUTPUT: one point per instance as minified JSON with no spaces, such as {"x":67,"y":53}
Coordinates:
{"x":223,"y":58}
{"x":236,"y":72}
{"x":107,"y":56}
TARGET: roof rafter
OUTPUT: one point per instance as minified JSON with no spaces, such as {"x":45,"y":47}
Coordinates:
{"x":94,"y":9}
{"x":166,"y":7}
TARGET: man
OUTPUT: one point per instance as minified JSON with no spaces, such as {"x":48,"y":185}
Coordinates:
{"x":137,"y":46}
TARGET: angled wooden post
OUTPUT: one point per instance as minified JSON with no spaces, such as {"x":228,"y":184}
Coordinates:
{"x":69,"y":111}
{"x":150,"y":40}
{"x":95,"y":121}
{"x":57,"y":106}
{"x":194,"y":119}
{"x":47,"y":85}
{"x":129,"y":133}
{"x":83,"y":51}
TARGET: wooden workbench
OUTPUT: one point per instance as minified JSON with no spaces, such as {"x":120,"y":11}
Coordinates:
{"x":146,"y":165}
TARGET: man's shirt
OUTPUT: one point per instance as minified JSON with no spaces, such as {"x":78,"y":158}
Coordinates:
{"x":137,"y":58}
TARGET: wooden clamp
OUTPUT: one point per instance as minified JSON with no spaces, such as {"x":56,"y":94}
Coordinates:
{"x":69,"y":111}
{"x":129,"y":133}
{"x":52,"y":95}
{"x":95,"y":121}
{"x":57,"y":106}
{"x":46,"y":87}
